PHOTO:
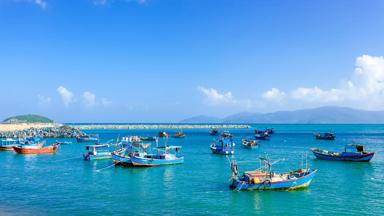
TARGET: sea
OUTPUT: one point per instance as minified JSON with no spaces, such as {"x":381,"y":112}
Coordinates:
{"x":65,"y":184}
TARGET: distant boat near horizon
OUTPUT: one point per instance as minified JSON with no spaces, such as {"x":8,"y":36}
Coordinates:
{"x":352,"y":152}
{"x":325,"y":136}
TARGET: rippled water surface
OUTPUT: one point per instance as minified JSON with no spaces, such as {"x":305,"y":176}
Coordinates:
{"x":64,"y":184}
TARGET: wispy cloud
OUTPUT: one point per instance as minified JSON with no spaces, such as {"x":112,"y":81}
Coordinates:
{"x":43,"y":100}
{"x":66,"y":95}
{"x":214,"y":97}
{"x":89,"y":99}
{"x":41,"y":3}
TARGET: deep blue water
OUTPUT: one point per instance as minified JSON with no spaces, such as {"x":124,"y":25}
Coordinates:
{"x":64,"y":184}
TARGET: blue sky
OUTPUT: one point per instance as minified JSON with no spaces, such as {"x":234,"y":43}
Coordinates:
{"x":165,"y":60}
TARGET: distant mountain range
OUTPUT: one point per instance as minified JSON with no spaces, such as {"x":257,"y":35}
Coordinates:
{"x":321,"y":115}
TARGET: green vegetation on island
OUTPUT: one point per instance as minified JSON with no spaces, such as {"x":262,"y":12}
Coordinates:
{"x":28,"y":119}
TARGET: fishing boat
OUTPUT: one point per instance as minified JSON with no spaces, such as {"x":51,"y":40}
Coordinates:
{"x":163,"y":134}
{"x":166,"y":155}
{"x":123,"y":156}
{"x":352,"y":152}
{"x":214,"y":132}
{"x":249,"y":144}
{"x":265,"y":179}
{"x":263,"y":136}
{"x":270,"y":130}
{"x":179,"y":134}
{"x":226,"y":134}
{"x":97,"y":152}
{"x":147,"y":138}
{"x":8,"y":144}
{"x":325,"y":136}
{"x":224,"y":146}
{"x":88,"y":138}
{"x":35,"y":146}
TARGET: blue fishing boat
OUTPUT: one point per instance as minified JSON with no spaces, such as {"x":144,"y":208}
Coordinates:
{"x":8,"y":144}
{"x":325,"y":136}
{"x":88,"y":138}
{"x":352,"y":152}
{"x":265,"y":179}
{"x":97,"y":152}
{"x":249,"y":144}
{"x":263,"y":136}
{"x":214,"y":132}
{"x":224,"y":146}
{"x":166,"y":155}
{"x":123,"y":156}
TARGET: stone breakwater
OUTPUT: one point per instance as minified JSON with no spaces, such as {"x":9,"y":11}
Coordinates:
{"x":49,"y":130}
{"x":158,"y":126}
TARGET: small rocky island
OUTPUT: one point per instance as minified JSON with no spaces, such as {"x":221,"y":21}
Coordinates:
{"x":36,"y":125}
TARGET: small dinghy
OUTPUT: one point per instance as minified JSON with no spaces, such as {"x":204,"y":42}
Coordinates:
{"x":214,"y":132}
{"x":352,"y":152}
{"x":249,"y":144}
{"x":179,"y":134}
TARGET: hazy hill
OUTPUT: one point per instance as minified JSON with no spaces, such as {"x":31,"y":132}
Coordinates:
{"x":321,"y":115}
{"x":28,"y":119}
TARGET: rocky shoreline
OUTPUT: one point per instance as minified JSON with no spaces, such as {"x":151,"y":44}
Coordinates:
{"x":158,"y":126}
{"x":43,"y":130}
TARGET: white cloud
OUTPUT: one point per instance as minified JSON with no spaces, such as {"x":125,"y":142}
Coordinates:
{"x":43,"y":100}
{"x":105,"y":102}
{"x":41,"y":3}
{"x":89,"y":99}
{"x":214,"y":97}
{"x":104,"y":2}
{"x":274,"y":95}
{"x":364,"y":89}
{"x":66,"y":95}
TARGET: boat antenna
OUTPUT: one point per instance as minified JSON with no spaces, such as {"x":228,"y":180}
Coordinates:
{"x":117,"y":140}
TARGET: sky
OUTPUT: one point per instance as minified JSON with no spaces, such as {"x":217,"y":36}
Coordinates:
{"x":166,"y":60}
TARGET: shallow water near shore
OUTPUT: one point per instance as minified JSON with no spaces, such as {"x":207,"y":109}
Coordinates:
{"x":64,"y":184}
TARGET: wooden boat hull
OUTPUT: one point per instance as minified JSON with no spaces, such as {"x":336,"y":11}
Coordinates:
{"x":119,"y":159}
{"x":291,"y":184}
{"x":150,"y":162}
{"x":6,"y":148}
{"x":47,"y":150}
{"x":355,"y":158}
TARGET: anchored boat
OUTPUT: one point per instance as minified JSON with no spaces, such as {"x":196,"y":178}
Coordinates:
{"x":34,"y":145}
{"x":225,"y":146}
{"x":179,"y":134}
{"x":163,"y":134}
{"x":265,"y":179}
{"x":249,"y":144}
{"x":97,"y":152}
{"x":8,"y":144}
{"x":325,"y":136}
{"x":123,"y":156}
{"x":263,"y":136}
{"x":166,"y":155}
{"x":352,"y":152}
{"x":88,"y":138}
{"x":214,"y":132}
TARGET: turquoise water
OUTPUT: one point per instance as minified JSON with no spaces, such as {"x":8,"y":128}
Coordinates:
{"x":64,"y":184}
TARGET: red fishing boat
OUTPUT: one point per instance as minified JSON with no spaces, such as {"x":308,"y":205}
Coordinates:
{"x":36,"y":149}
